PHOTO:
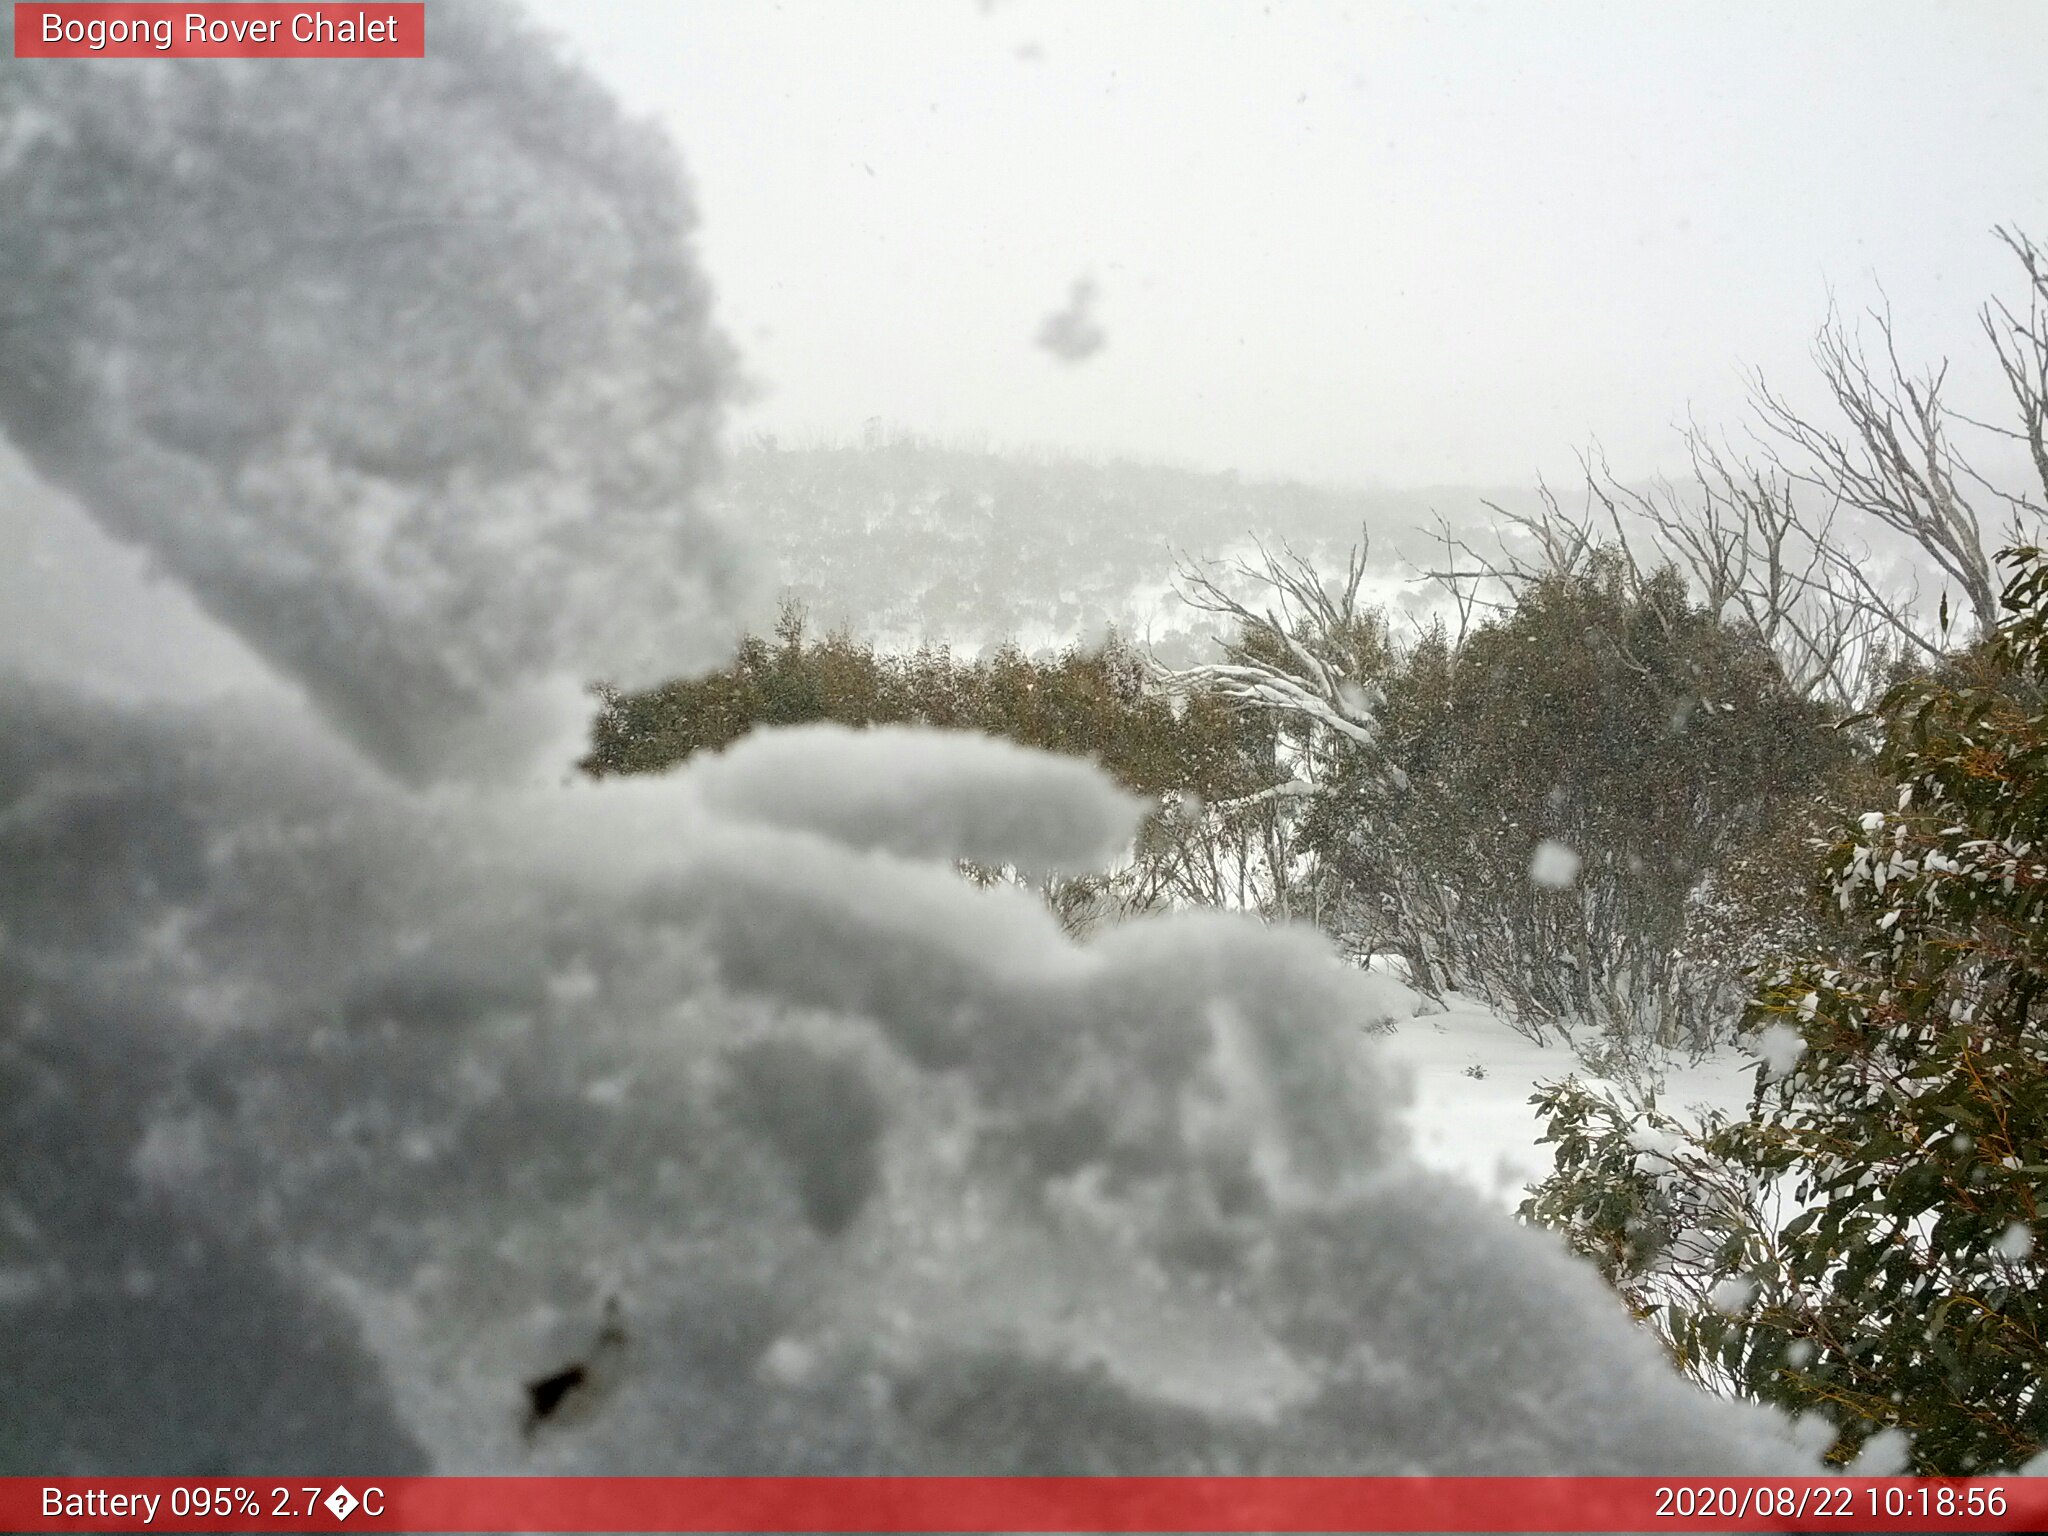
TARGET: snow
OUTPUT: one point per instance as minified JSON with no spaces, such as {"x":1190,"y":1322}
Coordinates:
{"x":87,"y":611}
{"x":333,"y":1062}
{"x":1073,"y":1158}
{"x":1072,"y":333}
{"x":918,"y":794}
{"x":1732,"y":1296}
{"x":1554,"y":866}
{"x":1885,"y":1454}
{"x":1480,"y":1127}
{"x":1655,"y":1142}
{"x":1779,"y":1046}
{"x":457,"y":481}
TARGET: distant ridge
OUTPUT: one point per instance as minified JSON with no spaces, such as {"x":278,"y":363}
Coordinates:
{"x":907,"y":541}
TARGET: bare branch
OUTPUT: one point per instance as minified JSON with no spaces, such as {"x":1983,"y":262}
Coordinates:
{"x":1895,"y":464}
{"x":1295,"y":655}
{"x":2021,"y":345}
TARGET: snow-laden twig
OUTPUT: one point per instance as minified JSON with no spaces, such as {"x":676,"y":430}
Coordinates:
{"x":1294,"y":656}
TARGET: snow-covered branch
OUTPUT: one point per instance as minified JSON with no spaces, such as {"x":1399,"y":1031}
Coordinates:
{"x":1300,"y":654}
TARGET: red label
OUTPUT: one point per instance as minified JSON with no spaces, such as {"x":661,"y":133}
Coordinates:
{"x":1020,"y":1504}
{"x":359,"y":31}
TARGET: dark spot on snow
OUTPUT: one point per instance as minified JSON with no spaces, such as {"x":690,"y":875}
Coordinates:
{"x":545,"y":1394}
{"x":548,"y":1395}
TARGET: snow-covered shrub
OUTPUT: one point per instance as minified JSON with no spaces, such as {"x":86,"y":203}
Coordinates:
{"x":1097,"y":702}
{"x":1644,"y":1194}
{"x":1576,"y":771}
{"x":1895,"y":1163}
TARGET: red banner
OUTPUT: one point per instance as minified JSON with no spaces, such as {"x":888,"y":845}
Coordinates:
{"x":214,"y":31}
{"x":1030,"y":1504}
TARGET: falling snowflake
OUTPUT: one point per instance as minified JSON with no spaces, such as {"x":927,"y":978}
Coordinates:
{"x":1554,"y":867}
{"x":1779,"y":1047}
{"x":1731,"y":1298}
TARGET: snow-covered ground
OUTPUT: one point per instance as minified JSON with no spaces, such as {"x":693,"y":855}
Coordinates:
{"x":1473,"y":1073}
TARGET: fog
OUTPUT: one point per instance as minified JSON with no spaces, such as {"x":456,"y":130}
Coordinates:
{"x":1435,"y":248}
{"x":1388,"y":243}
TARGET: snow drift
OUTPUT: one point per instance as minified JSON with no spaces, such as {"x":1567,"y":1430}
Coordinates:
{"x":920,"y":793}
{"x":406,"y":373}
{"x":885,"y":1173}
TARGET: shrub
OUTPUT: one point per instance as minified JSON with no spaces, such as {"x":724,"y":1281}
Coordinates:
{"x":1901,"y":1113}
{"x":1615,"y":717}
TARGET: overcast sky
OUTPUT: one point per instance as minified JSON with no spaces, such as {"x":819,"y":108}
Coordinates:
{"x":1390,"y":243}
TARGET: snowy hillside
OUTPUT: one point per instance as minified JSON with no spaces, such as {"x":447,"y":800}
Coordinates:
{"x":905,"y":542}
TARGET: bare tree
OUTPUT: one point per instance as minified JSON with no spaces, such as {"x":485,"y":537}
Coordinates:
{"x":1300,"y":653}
{"x":2021,"y":345}
{"x":1769,"y":543}
{"x":1297,"y":653}
{"x":1759,"y":563}
{"x":1462,"y":587}
{"x":1898,"y":463}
